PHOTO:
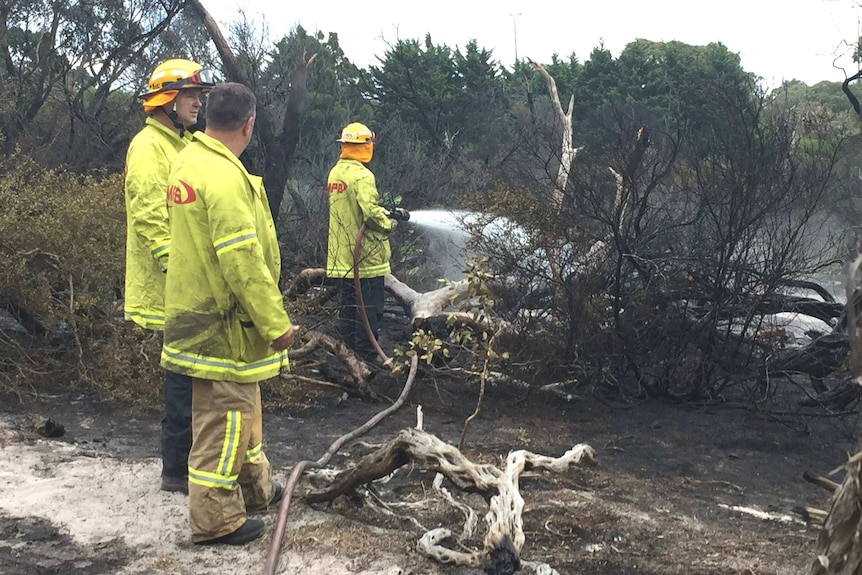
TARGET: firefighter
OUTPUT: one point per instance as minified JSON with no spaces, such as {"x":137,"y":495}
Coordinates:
{"x":353,"y":201}
{"x":225,"y":322}
{"x":172,"y":102}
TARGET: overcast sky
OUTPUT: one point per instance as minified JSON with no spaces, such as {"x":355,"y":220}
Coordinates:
{"x":776,"y":39}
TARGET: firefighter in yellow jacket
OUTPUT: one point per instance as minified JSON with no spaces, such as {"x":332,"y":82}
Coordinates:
{"x":353,"y":201}
{"x":172,"y":102}
{"x":225,"y":322}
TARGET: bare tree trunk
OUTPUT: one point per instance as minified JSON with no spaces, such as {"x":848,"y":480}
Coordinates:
{"x":839,"y":551}
{"x":284,"y":151}
{"x":418,"y":306}
{"x":232,"y":68}
{"x":567,"y":152}
{"x":567,"y":158}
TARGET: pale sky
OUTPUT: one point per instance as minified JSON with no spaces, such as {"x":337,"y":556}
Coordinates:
{"x":776,"y":39}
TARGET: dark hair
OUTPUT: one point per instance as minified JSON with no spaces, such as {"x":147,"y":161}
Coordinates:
{"x":229,"y":105}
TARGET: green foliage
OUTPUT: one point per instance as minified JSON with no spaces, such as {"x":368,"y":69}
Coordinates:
{"x":598,"y":84}
{"x":684,"y":88}
{"x":453,"y":98}
{"x":419,"y":82}
{"x":469,"y":331}
{"x":61,"y":272}
{"x":334,"y":89}
{"x":566,"y":75}
{"x":424,"y":344}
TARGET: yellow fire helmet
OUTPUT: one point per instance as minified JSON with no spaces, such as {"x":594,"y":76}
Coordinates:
{"x":171,"y":76}
{"x":356,"y":133}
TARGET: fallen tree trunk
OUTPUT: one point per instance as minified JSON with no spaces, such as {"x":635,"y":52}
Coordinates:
{"x":418,"y":306}
{"x":431,"y":311}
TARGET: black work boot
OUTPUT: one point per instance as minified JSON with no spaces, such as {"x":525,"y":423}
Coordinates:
{"x":277,"y":494}
{"x":274,"y":501}
{"x":175,"y":484}
{"x":249,"y":531}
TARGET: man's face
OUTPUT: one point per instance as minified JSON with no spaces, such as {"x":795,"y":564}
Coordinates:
{"x":188,"y":104}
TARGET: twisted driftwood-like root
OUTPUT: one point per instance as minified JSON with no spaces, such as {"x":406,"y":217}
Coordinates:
{"x":838,"y":548}
{"x":505,"y":536}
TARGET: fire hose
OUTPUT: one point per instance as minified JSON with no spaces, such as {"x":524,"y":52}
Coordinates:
{"x":281,"y":522}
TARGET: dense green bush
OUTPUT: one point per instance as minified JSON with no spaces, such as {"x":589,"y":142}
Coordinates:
{"x":62,"y":238}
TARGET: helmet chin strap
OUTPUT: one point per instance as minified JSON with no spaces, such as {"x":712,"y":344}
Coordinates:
{"x":174,"y":117}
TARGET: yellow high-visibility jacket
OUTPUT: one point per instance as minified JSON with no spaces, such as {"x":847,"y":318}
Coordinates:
{"x":223,"y":307}
{"x":353,"y":200}
{"x":148,"y":237}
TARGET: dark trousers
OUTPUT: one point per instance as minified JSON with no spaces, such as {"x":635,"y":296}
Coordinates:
{"x":350,"y":326}
{"x":177,"y":425}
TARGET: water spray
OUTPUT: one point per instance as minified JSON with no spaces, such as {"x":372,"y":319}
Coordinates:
{"x":454,"y":221}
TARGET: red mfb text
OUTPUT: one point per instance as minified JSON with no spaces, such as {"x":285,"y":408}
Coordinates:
{"x":336,"y":187}
{"x":180,"y":193}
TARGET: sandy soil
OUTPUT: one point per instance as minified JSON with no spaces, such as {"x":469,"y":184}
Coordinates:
{"x":668,"y":495}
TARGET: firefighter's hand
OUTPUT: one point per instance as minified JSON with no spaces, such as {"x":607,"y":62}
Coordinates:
{"x":163,"y":263}
{"x":286,"y":340}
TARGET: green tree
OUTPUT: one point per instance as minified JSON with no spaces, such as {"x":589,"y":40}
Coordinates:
{"x":598,"y":84}
{"x":421,"y":84}
{"x":685,"y":87}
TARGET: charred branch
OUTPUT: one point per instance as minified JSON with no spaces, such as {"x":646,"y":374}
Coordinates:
{"x":231,"y":65}
{"x":278,"y":167}
{"x":820,"y":481}
{"x":360,"y":373}
{"x":845,"y":87}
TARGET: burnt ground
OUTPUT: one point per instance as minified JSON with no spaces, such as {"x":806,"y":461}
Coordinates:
{"x":659,"y":501}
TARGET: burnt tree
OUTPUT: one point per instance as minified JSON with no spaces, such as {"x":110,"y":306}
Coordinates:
{"x":277,"y":143}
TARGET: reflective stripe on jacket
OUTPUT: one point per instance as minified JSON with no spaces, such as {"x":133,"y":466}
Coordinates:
{"x":148,"y":163}
{"x":353,"y":200}
{"x":223,"y":305}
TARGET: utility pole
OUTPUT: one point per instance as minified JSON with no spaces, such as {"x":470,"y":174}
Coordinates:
{"x":515,"y":30}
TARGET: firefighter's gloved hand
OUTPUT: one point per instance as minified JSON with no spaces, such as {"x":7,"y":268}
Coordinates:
{"x":399,"y":214}
{"x":163,"y":263}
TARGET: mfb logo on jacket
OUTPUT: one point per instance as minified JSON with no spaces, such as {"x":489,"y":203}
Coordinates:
{"x":337,"y":187}
{"x":180,"y":194}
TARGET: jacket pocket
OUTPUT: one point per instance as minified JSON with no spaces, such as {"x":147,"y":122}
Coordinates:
{"x":253,"y":347}
{"x":235,"y":336}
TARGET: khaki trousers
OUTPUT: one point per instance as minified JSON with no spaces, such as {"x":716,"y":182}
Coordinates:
{"x":228,"y":470}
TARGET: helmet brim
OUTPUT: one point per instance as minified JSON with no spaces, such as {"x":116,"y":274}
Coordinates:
{"x":159,"y":100}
